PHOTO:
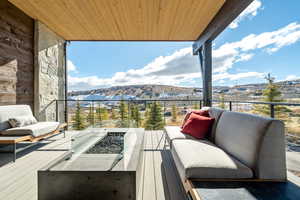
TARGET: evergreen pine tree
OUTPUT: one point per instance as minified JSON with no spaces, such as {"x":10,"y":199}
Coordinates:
{"x":271,"y":94}
{"x":174,"y":113}
{"x":146,"y":114}
{"x":104,"y":113}
{"x":91,"y":115}
{"x":78,"y":118}
{"x":123,"y":113}
{"x":222,"y":99}
{"x":99,"y":115}
{"x":196,"y":106}
{"x":136,"y":116}
{"x":155,"y":118}
{"x":113,"y":114}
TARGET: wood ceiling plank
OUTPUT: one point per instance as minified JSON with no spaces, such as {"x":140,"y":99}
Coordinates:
{"x":110,"y":26}
{"x":202,"y":23}
{"x":167,"y":20}
{"x":181,"y":19}
{"x":195,"y":16}
{"x":62,"y":18}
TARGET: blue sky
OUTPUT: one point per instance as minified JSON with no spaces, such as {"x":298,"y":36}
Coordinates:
{"x":264,"y":39}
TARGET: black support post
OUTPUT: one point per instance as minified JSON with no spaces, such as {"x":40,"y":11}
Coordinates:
{"x":205,"y":56}
{"x":272,"y":111}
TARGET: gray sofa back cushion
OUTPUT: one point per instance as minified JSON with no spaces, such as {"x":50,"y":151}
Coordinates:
{"x":214,"y":113}
{"x":7,"y":112}
{"x":241,"y":135}
{"x":272,"y":156}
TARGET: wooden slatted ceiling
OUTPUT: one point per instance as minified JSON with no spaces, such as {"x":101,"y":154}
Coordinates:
{"x":130,"y":20}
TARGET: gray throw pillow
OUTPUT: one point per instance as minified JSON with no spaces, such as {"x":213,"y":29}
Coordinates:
{"x":22,"y":121}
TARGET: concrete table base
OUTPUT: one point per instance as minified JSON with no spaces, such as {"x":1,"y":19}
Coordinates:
{"x":89,"y":176}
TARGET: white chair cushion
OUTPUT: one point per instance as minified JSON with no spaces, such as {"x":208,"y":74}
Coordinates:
{"x":11,"y":111}
{"x":40,"y":128}
{"x":199,"y":159}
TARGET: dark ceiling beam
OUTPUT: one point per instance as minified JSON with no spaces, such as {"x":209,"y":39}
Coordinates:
{"x":227,"y":14}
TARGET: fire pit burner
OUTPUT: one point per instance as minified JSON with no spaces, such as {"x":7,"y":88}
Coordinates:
{"x":113,"y":143}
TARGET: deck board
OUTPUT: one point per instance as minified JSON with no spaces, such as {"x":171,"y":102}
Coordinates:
{"x":161,"y":189}
{"x":149,"y":189}
{"x":19,"y":180}
{"x":176,"y":190}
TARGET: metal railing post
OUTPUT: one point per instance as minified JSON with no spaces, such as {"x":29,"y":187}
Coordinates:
{"x":272,"y":111}
{"x":93,"y":114}
{"x":230,"y":105}
{"x":56,"y":112}
{"x":99,"y":115}
{"x":164,"y":113}
{"x":66,"y":114}
{"x":129,"y":113}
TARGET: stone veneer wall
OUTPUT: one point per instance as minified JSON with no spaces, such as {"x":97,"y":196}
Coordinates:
{"x":16,"y":56}
{"x":49,"y":73}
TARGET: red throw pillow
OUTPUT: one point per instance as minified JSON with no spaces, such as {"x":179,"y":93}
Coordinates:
{"x":198,"y":112}
{"x":197,"y":126}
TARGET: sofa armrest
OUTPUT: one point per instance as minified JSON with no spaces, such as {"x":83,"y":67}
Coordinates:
{"x":272,"y":154}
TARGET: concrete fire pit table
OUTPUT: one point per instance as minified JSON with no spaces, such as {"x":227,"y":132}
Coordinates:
{"x":103,"y":164}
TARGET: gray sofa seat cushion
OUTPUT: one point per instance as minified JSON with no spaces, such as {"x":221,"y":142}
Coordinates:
{"x":174,"y":132}
{"x":11,"y":111}
{"x":200,"y":159}
{"x":38,"y":129}
{"x":241,"y":135}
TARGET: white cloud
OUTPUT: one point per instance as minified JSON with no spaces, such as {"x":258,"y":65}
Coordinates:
{"x":273,"y":41}
{"x":251,"y":11}
{"x":182,"y":67}
{"x":228,"y":54}
{"x":292,"y":77}
{"x":71,"y":67}
{"x":233,"y":77}
{"x":175,"y":69}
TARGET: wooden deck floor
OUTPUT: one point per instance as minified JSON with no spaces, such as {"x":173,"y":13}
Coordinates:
{"x":18,"y":181}
{"x":160,"y":181}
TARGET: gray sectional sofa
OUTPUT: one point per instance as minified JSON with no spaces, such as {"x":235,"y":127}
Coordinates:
{"x":240,"y":146}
